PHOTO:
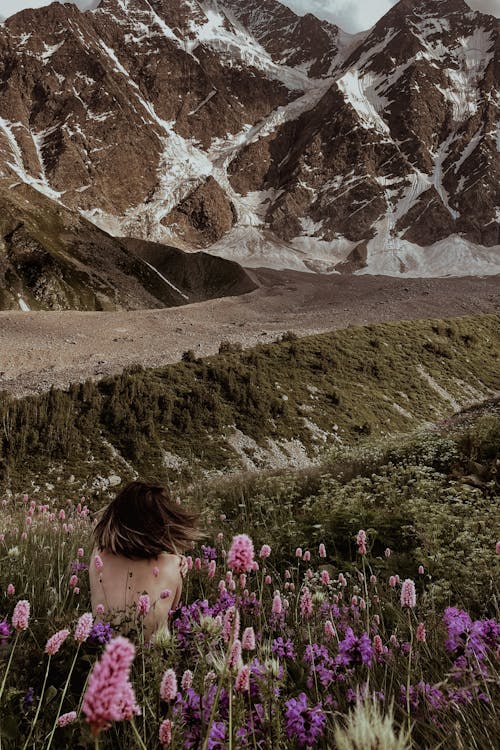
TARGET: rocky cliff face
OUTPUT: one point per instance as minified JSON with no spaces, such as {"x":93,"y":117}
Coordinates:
{"x":236,"y":126}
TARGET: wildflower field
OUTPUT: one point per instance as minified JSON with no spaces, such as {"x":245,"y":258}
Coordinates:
{"x":352,"y":606}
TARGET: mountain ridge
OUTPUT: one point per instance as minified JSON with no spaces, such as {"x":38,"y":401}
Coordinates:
{"x":265,"y":137}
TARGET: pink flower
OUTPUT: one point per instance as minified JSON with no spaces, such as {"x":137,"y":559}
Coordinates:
{"x":421,"y":633}
{"x":79,"y":552}
{"x":99,"y":565}
{"x":277,"y":604}
{"x":307,"y":556}
{"x":387,"y":552}
{"x":243,"y":580}
{"x":189,"y":562}
{"x":187,"y":679}
{"x":212,"y":566}
{"x":61,"y":515}
{"x":328,"y":629}
{"x":99,"y":610}
{"x":361,"y":542}
{"x":110,"y":696}
{"x":11,"y":589}
{"x":373,"y":580}
{"x":497,"y":548}
{"x":265,"y":551}
{"x":322,"y":550}
{"x":168,"y":686}
{"x":165,"y":733}
{"x":342,"y":580}
{"x":56,"y":641}
{"x":21,"y":615}
{"x":392,"y":581}
{"x":248,"y":639}
{"x":165,"y":594}
{"x":197,"y":563}
{"x":242,"y":682}
{"x":241,"y":554}
{"x":73,"y":581}
{"x":268,"y":580}
{"x":378,"y":646}
{"x":83,"y":627}
{"x":306,"y":605}
{"x":231,"y":624}
{"x":220,"y":537}
{"x":325,"y":577}
{"x":24,"y":536}
{"x":421,"y":570}
{"x":76,"y":590}
{"x":143,"y":605}
{"x":221,"y":586}
{"x":408,"y":594}
{"x":234,"y":660}
{"x":354,"y":601}
{"x":288,"y":575}
{"x":66,"y":719}
{"x":298,"y":552}
{"x":156,"y":571}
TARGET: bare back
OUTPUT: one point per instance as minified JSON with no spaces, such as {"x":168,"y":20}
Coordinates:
{"x":121,"y":581}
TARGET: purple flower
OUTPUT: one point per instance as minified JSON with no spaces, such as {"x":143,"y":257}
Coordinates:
{"x":101,"y":632}
{"x":208,"y":553}
{"x":304,"y":723}
{"x":283,"y":649}
{"x":354,"y":650}
{"x":4,"y":630}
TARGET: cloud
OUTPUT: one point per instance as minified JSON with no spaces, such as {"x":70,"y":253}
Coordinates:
{"x":350,"y":15}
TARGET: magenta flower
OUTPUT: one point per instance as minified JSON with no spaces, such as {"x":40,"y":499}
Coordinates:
{"x":66,"y":719}
{"x":165,"y":594}
{"x":361,"y":542}
{"x":329,"y":629}
{"x":143,"y":605}
{"x":168,"y":686}
{"x":11,"y":589}
{"x":21,"y":615}
{"x":248,"y":639}
{"x":99,"y":565}
{"x":242,"y":682}
{"x":231,"y":624}
{"x":421,"y":633}
{"x":56,"y":641}
{"x":408,"y":594}
{"x":325,"y":577}
{"x":421,"y":570}
{"x":265,"y":551}
{"x":187,"y":680}
{"x":110,"y":696}
{"x":322,"y":550}
{"x":234,"y":661}
{"x":165,"y":733}
{"x":306,"y":605}
{"x":83,"y":627}
{"x":73,"y":581}
{"x":240,"y":557}
{"x":277,"y":607}
{"x":268,"y":580}
{"x":298,"y":552}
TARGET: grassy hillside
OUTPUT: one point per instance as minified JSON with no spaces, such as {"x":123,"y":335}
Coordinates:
{"x":277,"y":404}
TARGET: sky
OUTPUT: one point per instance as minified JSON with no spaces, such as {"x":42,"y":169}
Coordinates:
{"x":350,"y":15}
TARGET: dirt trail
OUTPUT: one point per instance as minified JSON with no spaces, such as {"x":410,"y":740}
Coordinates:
{"x":41,"y":349}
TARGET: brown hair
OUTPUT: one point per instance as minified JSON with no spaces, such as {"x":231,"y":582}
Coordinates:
{"x":143,"y":521}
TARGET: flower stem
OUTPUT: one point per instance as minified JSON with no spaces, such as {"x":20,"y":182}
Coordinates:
{"x":138,"y":736}
{"x":40,"y":700}
{"x":8,"y":665}
{"x":65,"y":690}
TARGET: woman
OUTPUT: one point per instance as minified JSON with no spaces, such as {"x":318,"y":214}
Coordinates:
{"x":139,"y":541}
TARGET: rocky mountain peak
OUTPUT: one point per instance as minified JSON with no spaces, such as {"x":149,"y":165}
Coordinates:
{"x":244,"y":128}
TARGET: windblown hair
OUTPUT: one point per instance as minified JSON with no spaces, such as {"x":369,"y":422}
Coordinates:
{"x":143,"y":521}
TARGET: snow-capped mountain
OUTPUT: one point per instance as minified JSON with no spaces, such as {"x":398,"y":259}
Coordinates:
{"x":275,"y":140}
